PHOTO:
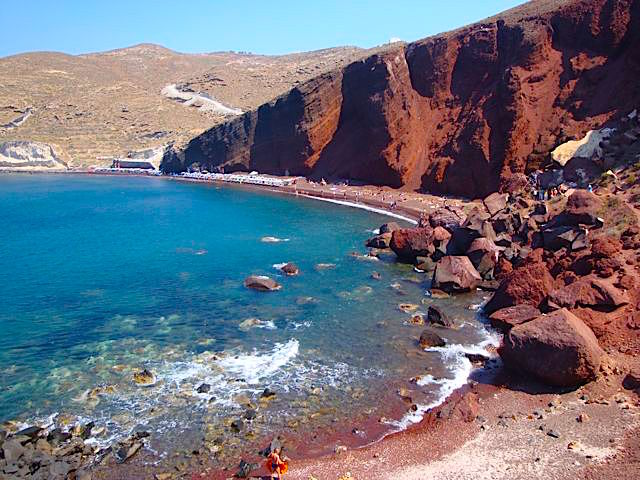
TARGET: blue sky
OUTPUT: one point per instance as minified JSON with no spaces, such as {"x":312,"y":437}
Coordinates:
{"x":259,"y":26}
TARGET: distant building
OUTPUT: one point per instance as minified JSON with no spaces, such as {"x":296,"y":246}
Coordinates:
{"x":132,"y":163}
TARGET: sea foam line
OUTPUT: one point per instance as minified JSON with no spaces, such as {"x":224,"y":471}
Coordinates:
{"x":462,"y":369}
{"x":363,"y":207}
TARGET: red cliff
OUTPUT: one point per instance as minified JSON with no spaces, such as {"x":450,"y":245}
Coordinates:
{"x":460,"y":113}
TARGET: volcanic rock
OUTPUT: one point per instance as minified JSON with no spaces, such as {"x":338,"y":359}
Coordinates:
{"x":290,"y":269}
{"x":496,"y":202}
{"x":455,"y":274}
{"x":388,"y":228}
{"x":261,"y":283}
{"x":465,"y":112}
{"x":380,"y":241}
{"x":590,"y":293}
{"x":438,"y":317}
{"x":583,"y":208}
{"x":506,"y":318}
{"x":430,"y":339}
{"x":409,"y":243}
{"x":558,"y":349}
{"x":445,"y":218}
{"x":144,"y":378}
{"x":528,"y":284}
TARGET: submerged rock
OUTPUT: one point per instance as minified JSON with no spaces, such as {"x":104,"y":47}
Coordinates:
{"x":438,"y":317}
{"x":261,"y":283}
{"x":430,"y":339}
{"x":145,"y":378}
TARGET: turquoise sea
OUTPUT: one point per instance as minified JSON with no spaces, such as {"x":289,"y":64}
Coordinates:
{"x":103,"y":276}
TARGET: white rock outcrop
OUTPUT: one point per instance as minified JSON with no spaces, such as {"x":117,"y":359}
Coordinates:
{"x":586,"y":147}
{"x":202,"y":101}
{"x":27,"y":155}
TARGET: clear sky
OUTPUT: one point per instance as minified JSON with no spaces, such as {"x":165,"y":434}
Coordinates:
{"x":259,"y":26}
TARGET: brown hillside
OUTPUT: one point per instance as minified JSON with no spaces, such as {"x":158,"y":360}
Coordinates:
{"x":105,"y":104}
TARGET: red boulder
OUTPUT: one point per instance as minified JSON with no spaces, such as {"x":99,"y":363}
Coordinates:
{"x":558,"y":349}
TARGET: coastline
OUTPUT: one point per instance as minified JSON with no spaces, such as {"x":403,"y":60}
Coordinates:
{"x":436,"y":447}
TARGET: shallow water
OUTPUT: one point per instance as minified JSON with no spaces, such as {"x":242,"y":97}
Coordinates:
{"x":103,"y":276}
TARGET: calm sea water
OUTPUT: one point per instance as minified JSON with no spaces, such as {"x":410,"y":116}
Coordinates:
{"x":103,"y":276}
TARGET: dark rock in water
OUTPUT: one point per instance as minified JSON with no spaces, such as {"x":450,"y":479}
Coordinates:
{"x":559,"y":349}
{"x":144,"y":378}
{"x":267,"y":393}
{"x":261,"y":283}
{"x":376,"y":275}
{"x":204,"y":388}
{"x":13,"y":450}
{"x":430,"y":339}
{"x":489,"y":285}
{"x":438,"y":317}
{"x":388,"y":227}
{"x":57,"y":436}
{"x":31,"y":432}
{"x":496,"y":202}
{"x":426,"y":264}
{"x":381,"y":241}
{"x":245,"y":469}
{"x":290,"y":269}
{"x":507,"y":318}
{"x":409,"y":243}
{"x":456,"y":274}
{"x":237,"y":426}
{"x":124,"y":452}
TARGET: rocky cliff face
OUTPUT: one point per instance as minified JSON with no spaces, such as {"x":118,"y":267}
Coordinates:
{"x":461,"y":113}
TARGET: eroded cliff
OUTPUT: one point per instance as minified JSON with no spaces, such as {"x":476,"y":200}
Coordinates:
{"x":463,"y":112}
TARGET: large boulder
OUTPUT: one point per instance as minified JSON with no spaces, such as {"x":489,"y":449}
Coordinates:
{"x":261,"y":283}
{"x":380,"y":241}
{"x":388,"y":228}
{"x":529,"y":284}
{"x":558,"y":349}
{"x":430,"y":339}
{"x":507,"y":318}
{"x":455,"y":274}
{"x":484,"y":255}
{"x":589,"y":293}
{"x":583,"y":208}
{"x":409,"y":243}
{"x":496,"y":202}
{"x":445,"y":218}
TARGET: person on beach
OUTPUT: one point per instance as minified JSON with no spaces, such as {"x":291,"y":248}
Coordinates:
{"x":277,"y":464}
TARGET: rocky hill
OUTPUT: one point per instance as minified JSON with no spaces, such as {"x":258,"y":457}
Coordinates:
{"x":93,"y":107}
{"x":464,"y":112}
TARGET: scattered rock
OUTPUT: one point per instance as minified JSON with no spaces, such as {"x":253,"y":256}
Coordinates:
{"x":438,"y":317}
{"x":388,"y":228}
{"x":204,"y":388}
{"x":124,"y":452}
{"x":261,"y":283}
{"x":290,"y":269}
{"x":245,"y":469}
{"x":408,"y":307}
{"x":553,"y":434}
{"x":496,"y":202}
{"x":145,"y":378}
{"x":430,"y":339}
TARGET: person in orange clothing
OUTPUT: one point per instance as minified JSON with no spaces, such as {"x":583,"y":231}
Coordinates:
{"x":277,"y":464}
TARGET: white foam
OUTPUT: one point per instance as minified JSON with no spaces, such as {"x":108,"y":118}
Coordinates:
{"x":461,"y":367}
{"x":256,"y":366}
{"x":269,"y":239}
{"x":363,"y":207}
{"x":278,"y":266}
